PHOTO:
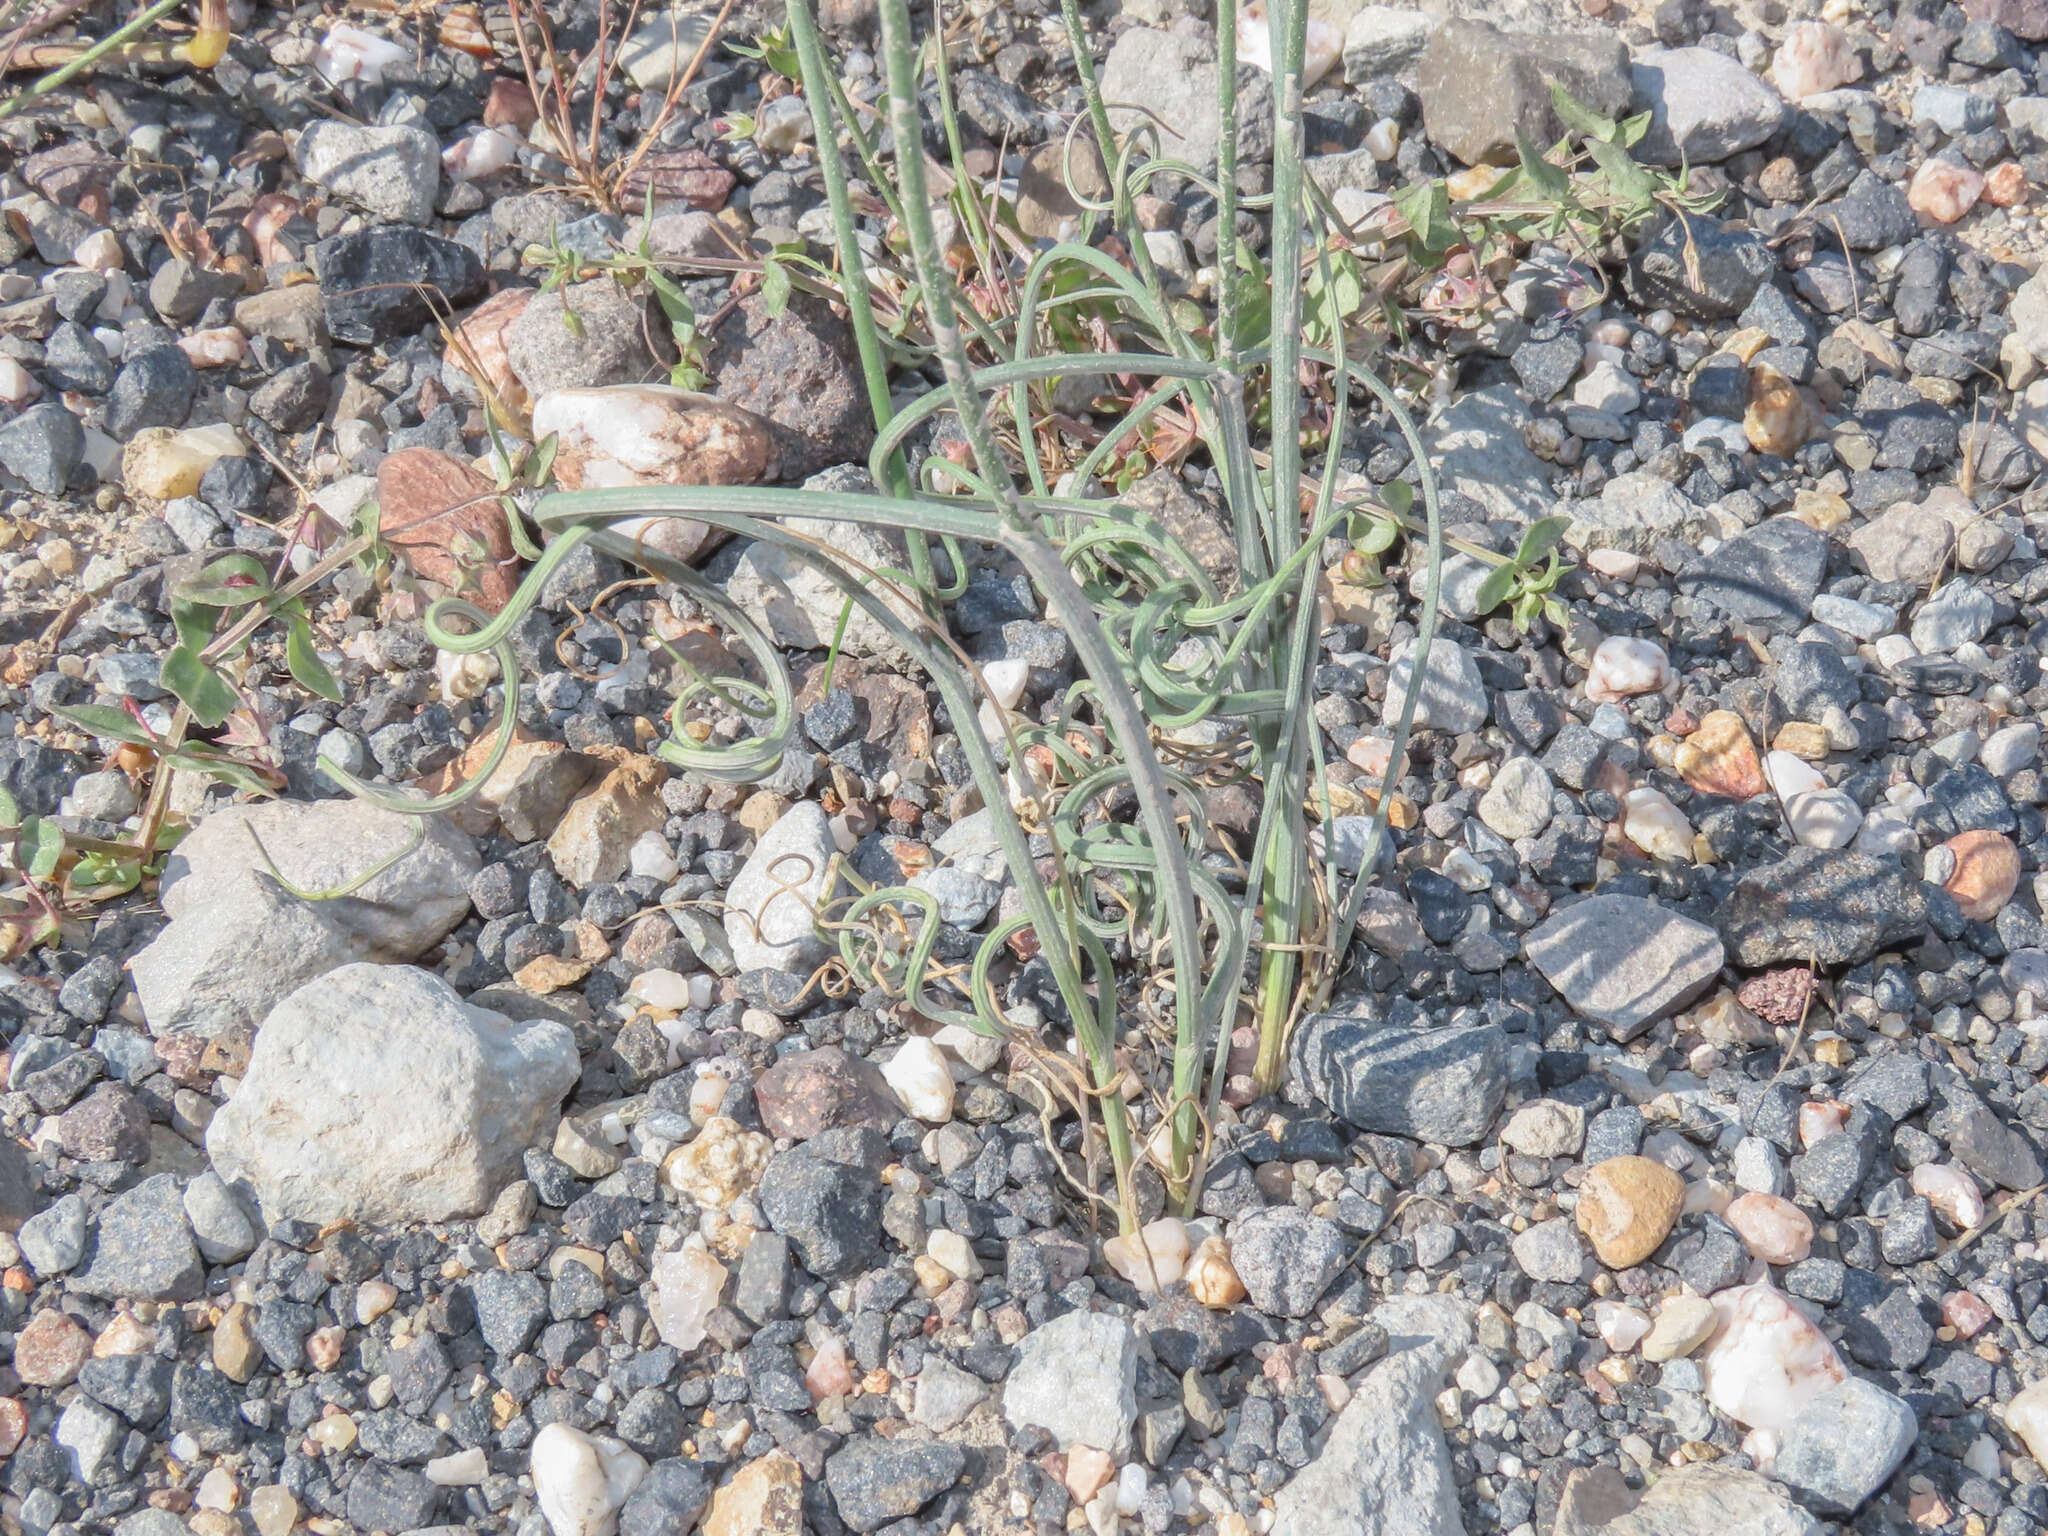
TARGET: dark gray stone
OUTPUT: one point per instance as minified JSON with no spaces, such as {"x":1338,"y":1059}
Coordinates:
{"x":1731,"y":265}
{"x":387,"y":1498}
{"x":153,"y":389}
{"x":1830,"y":906}
{"x":670,"y":1500}
{"x":1768,"y":575}
{"x":43,"y":447}
{"x":511,"y":1306}
{"x":830,"y":1211}
{"x":1439,"y":1085}
{"x":143,"y":1250}
{"x":368,"y":281}
{"x":874,"y":1481}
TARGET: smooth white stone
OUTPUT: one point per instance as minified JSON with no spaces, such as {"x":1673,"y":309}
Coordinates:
{"x":1153,"y":1257}
{"x":2027,"y":1416}
{"x":1655,"y":825}
{"x":581,"y":1480}
{"x":1624,"y":666}
{"x":350,"y":53}
{"x":1621,"y":1327}
{"x":919,"y":1077}
{"x":1791,"y":776}
{"x":1952,"y":1192}
{"x":1823,"y":818}
{"x":1768,"y":1360}
{"x":462,"y":1469}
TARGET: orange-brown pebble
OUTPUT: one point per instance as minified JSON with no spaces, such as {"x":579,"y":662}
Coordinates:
{"x":1987,"y":872}
{"x":1626,"y":1207}
{"x":1718,"y":758}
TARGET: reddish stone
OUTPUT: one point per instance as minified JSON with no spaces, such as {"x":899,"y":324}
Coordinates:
{"x":2026,"y":19}
{"x":181,"y":1055}
{"x":1987,"y":873}
{"x":428,"y":504}
{"x":227,"y":1053}
{"x":510,"y":105}
{"x":814,"y":1091}
{"x":684,"y":175}
{"x":50,"y":1350}
{"x":1965,"y":1313}
{"x":1777,"y":997}
{"x":13,"y":1425}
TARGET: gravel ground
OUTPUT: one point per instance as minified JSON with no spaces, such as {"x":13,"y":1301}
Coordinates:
{"x":1670,"y":1160}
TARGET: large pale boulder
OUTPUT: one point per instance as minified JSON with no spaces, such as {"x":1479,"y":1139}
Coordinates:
{"x":239,"y":942}
{"x":375,"y":1094}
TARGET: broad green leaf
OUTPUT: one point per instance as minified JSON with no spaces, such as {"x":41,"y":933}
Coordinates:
{"x":1493,"y":591}
{"x":233,"y":581}
{"x":1397,"y":496}
{"x":10,"y":810}
{"x":1552,"y":183}
{"x":105,"y":720}
{"x":198,"y":686}
{"x":195,"y":624}
{"x":1632,"y":129}
{"x":1427,"y":208}
{"x":1625,"y":179}
{"x":1541,"y":538}
{"x":197,"y":758}
{"x":541,"y":462}
{"x":105,"y":875}
{"x":307,"y":669}
{"x":1581,"y":118}
{"x":1378,"y":537}
{"x":39,"y":846}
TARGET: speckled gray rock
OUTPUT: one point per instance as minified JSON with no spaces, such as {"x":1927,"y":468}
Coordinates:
{"x":239,"y":942}
{"x":1384,"y":1465}
{"x":1077,"y":1378}
{"x":1286,"y":1258}
{"x":769,"y":907}
{"x":223,"y":1230}
{"x":1451,"y":694}
{"x":53,"y":1240}
{"x":392,"y":172}
{"x":375,"y":1094}
{"x":1711,"y":1498}
{"x":1550,"y":1251}
{"x":874,"y":1481}
{"x":142,"y":1249}
{"x":1479,"y":452}
{"x":1440,"y":1085}
{"x":1703,"y":106}
{"x":1624,"y":961}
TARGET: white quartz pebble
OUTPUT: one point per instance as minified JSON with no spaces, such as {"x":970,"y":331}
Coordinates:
{"x":581,"y":1480}
{"x":1624,"y":666}
{"x":922,"y":1082}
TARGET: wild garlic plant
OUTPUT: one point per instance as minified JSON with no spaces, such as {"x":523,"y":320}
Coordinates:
{"x":1158,"y":945}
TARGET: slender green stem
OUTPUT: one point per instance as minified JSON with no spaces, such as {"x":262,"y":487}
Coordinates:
{"x":1226,"y":183}
{"x":63,"y":73}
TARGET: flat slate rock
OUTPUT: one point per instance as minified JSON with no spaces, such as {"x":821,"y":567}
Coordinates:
{"x":1768,"y":575}
{"x":1623,"y":961}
